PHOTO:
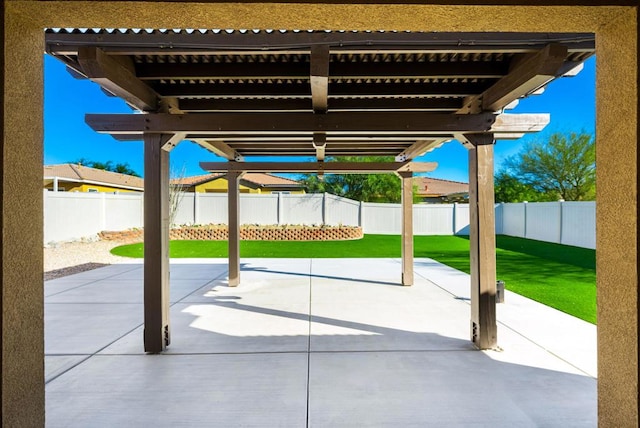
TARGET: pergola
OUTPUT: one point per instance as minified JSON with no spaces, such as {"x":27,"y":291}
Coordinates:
{"x":318,"y":94}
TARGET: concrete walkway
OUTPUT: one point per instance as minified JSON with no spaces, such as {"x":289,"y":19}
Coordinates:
{"x":320,"y":343}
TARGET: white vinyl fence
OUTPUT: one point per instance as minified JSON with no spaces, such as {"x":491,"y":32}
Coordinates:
{"x":568,"y":223}
{"x":72,"y":216}
{"x":276,"y":208}
{"x":428,"y":219}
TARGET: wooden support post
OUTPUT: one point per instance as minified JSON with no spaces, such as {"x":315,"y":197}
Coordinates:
{"x":482,"y":242}
{"x":407,"y":227}
{"x":156,"y":243}
{"x":233,"y":178}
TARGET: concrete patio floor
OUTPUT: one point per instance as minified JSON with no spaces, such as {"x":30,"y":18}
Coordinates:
{"x":301,"y":342}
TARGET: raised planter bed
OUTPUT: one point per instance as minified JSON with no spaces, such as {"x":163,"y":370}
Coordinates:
{"x":247,"y":233}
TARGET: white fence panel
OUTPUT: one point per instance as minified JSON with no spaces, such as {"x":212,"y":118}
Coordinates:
{"x":433,"y":219}
{"x":579,"y":224}
{"x":499,"y":218}
{"x":383,"y":219}
{"x":513,"y":220}
{"x":302,"y":209}
{"x":461,"y":220}
{"x":123,"y":211}
{"x":212,"y":208}
{"x":341,"y":211}
{"x":259,"y":209}
{"x":72,"y":216}
{"x":185,"y":210}
{"x":543,"y":221}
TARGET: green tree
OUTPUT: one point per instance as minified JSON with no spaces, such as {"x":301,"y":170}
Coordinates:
{"x":510,"y":189}
{"x":360,"y":187}
{"x":563,"y":167}
{"x":122,"y":168}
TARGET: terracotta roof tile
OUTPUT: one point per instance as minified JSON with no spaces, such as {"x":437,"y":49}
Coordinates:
{"x":194,"y":180}
{"x":268,"y":180}
{"x":427,"y":186}
{"x":84,"y":173}
{"x":257,"y":178}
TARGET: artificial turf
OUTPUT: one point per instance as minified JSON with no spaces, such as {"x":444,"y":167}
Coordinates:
{"x":559,"y":276}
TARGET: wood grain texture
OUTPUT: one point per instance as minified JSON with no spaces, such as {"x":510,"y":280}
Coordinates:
{"x":156,"y":243}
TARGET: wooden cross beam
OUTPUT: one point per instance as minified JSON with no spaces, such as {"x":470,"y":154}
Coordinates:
{"x":302,"y":103}
{"x":419,"y":148}
{"x":220,"y":148}
{"x":299,"y":122}
{"x":320,"y":144}
{"x":319,"y":78}
{"x":117,"y":77}
{"x":530,"y":73}
{"x":211,"y":42}
{"x":300,"y":70}
{"x":325,"y":167}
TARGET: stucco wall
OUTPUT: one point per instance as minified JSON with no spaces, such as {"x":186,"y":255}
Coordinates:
{"x":22,"y":256}
{"x":617,"y":138}
{"x":220,"y":185}
{"x":616,"y":213}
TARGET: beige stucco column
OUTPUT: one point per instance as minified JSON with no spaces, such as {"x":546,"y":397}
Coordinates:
{"x":617,"y":272}
{"x":21,"y":223}
{"x":616,"y":28}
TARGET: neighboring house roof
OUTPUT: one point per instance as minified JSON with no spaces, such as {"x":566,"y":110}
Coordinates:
{"x":84,"y":174}
{"x":195,"y":180}
{"x":434,"y":187}
{"x":258,"y":179}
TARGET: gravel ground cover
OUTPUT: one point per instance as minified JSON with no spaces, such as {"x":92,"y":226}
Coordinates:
{"x":73,"y":257}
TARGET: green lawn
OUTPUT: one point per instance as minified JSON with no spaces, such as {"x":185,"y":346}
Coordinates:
{"x":557,"y":275}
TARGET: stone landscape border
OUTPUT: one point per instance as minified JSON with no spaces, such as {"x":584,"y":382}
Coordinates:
{"x":219,"y":232}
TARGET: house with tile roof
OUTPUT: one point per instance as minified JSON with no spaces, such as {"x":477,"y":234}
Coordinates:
{"x":70,"y":177}
{"x":257,"y":183}
{"x":435,"y":190}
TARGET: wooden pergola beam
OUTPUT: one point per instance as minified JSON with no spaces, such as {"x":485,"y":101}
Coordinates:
{"x":220,"y":148}
{"x":342,"y":89}
{"x":171,"y":141}
{"x":327,"y":153}
{"x":239,"y":140}
{"x":527,"y":75}
{"x":320,"y":144}
{"x":119,"y":79}
{"x":419,"y":148}
{"x":300,"y":70}
{"x":279,"y":123}
{"x":508,"y":124}
{"x":319,"y":78}
{"x":326,"y":167}
{"x":345,"y":42}
{"x":303,"y":103}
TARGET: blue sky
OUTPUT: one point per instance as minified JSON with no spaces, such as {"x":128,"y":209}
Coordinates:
{"x":570,"y":101}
